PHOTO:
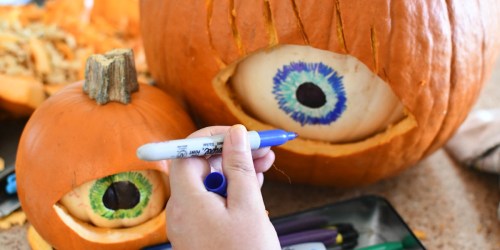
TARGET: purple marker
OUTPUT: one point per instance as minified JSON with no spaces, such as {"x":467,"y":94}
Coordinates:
{"x":300,"y":224}
{"x":326,"y":236}
{"x":201,"y":146}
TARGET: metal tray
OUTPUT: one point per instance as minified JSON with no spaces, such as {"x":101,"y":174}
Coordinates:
{"x":10,"y":132}
{"x":372,"y":216}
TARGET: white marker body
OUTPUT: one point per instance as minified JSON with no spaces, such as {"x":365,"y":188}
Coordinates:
{"x":189,"y":147}
{"x":306,"y":246}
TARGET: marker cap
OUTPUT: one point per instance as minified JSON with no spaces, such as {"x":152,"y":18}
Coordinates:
{"x":275,"y":137}
{"x":216,"y":182}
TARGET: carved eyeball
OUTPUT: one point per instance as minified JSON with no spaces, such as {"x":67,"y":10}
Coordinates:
{"x":319,"y":94}
{"x":121,"y":200}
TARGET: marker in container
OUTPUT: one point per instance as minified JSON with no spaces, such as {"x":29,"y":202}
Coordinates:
{"x":341,"y":234}
{"x":408,"y":242}
{"x":11,"y":187}
{"x":8,"y":191}
{"x":161,"y":246}
{"x":300,"y":224}
{"x":306,"y":246}
{"x":325,"y":236}
{"x":201,"y":146}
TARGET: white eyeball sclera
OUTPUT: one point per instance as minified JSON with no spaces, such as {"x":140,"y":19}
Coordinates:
{"x":319,"y":94}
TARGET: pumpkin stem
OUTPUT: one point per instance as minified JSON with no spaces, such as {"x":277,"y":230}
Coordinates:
{"x":111,"y":77}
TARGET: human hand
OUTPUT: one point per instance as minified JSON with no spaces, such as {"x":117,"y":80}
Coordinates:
{"x":198,"y":219}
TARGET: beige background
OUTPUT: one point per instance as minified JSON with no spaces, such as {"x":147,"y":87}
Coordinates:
{"x":454,"y":207}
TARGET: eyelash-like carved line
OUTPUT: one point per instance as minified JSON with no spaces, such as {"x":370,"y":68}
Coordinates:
{"x":299,"y":22}
{"x":374,"y":47}
{"x":209,"y":8}
{"x":340,"y":27}
{"x":234,"y":28}
{"x":271,"y":28}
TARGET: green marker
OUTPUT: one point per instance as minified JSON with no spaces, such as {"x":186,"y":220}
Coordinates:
{"x":394,"y":245}
{"x":407,"y":242}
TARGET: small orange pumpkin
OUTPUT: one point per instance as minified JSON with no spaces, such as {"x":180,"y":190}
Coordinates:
{"x":371,"y":87}
{"x":77,"y":166}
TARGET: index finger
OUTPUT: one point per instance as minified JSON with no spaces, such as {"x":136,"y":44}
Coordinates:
{"x":209,"y":131}
{"x":187,"y":175}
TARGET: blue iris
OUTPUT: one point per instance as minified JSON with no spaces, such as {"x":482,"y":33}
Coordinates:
{"x":324,"y":106}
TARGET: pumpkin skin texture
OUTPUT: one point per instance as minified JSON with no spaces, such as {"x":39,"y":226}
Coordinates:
{"x":434,"y":55}
{"x":71,"y":140}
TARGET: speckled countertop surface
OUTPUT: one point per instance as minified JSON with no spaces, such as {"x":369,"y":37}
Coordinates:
{"x":454,"y":207}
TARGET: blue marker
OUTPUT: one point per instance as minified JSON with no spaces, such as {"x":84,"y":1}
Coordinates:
{"x":201,"y":146}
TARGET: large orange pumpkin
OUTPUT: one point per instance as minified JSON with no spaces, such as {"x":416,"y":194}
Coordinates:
{"x":371,"y":87}
{"x":80,"y":182}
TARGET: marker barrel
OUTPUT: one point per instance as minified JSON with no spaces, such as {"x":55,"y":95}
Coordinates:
{"x":201,"y":146}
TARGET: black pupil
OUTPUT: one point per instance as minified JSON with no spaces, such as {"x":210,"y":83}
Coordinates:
{"x":121,"y":195}
{"x":310,"y":95}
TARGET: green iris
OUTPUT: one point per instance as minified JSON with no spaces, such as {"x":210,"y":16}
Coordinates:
{"x":120,"y":196}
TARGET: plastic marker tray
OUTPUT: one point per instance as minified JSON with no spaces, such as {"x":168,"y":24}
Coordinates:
{"x":10,"y":131}
{"x":373,"y":217}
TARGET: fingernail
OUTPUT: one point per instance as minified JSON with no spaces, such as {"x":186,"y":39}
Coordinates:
{"x":239,"y":139}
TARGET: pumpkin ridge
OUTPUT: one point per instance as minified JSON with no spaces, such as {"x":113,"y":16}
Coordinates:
{"x":217,"y":56}
{"x":299,"y":22}
{"x":374,"y":47}
{"x":443,"y":130}
{"x":340,"y":27}
{"x":270,"y":25}
{"x":220,"y":32}
{"x":329,"y":39}
{"x":317,"y":26}
{"x":234,"y":28}
{"x":422,"y":120}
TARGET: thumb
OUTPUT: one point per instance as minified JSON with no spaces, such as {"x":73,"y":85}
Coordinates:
{"x":243,"y":186}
